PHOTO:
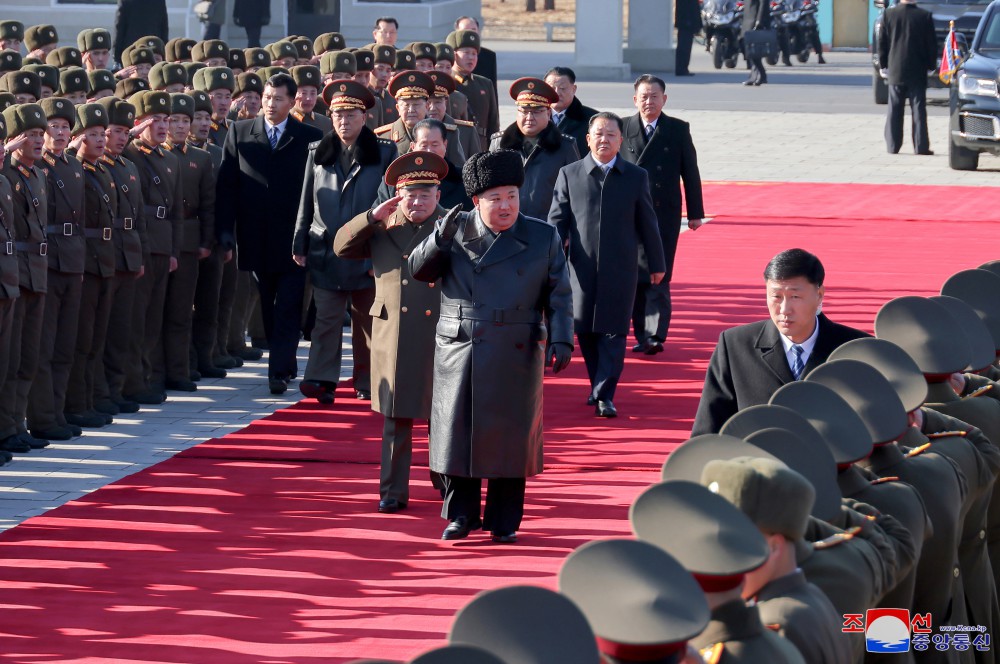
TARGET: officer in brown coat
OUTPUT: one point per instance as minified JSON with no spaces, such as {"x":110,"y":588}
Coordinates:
{"x":480,"y":90}
{"x":9,"y":278}
{"x":405,"y":312}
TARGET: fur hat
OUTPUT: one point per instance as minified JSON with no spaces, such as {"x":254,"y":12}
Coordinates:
{"x":486,"y":170}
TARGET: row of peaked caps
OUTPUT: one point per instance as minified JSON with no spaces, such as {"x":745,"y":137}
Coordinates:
{"x":773,"y":468}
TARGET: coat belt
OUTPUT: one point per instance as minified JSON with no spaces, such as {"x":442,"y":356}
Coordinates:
{"x":495,"y":316}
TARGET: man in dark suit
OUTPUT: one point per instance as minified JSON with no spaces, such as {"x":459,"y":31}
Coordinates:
{"x":908,"y":49}
{"x":756,"y":16}
{"x":687,"y":20}
{"x":569,"y":115}
{"x":604,"y":240}
{"x":138,"y":18}
{"x":752,"y":361}
{"x":259,"y":185}
{"x":662,"y":145}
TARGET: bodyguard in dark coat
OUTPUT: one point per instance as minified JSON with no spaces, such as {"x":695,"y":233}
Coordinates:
{"x":259,"y":188}
{"x":756,"y":16}
{"x":137,"y":18}
{"x":908,"y":49}
{"x":502,"y":276}
{"x":405,"y":311}
{"x":252,"y":15}
{"x":541,"y":146}
{"x":751,"y":361}
{"x":687,"y":20}
{"x":604,"y":213}
{"x":662,"y":145}
{"x":569,"y":115}
{"x":342,"y":177}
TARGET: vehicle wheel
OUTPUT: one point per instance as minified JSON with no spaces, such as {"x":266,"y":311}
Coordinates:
{"x":772,"y":59}
{"x":879,"y":89}
{"x":718,"y":50}
{"x":803,"y":56}
{"x":962,"y":159}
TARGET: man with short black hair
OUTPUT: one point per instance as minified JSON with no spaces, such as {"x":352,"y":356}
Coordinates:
{"x":486,"y":65}
{"x":908,"y":50}
{"x":569,"y":115}
{"x":752,"y":361}
{"x":386,"y":31}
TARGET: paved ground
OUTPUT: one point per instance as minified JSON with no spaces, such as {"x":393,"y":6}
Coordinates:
{"x":812,"y":123}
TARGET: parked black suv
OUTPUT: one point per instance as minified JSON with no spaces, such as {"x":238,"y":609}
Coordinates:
{"x":966,"y":15}
{"x":975,"y":99}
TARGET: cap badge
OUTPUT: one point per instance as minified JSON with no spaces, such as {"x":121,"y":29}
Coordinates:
{"x":418,"y":161}
{"x":224,"y":75}
{"x":343,"y":88}
{"x":412,"y":78}
{"x":97,"y":112}
{"x":26,"y":80}
{"x":531,"y":86}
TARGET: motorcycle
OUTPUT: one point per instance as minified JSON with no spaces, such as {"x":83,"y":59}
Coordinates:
{"x":721,"y":21}
{"x":797,"y":29}
{"x":778,"y":12}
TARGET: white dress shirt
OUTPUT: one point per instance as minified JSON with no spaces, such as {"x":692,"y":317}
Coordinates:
{"x":281,"y":126}
{"x":807,"y":346}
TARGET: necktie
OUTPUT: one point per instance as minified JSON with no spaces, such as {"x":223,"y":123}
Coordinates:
{"x":798,"y":366}
{"x":649,"y":131}
{"x":274,"y":137}
{"x":557,"y":118}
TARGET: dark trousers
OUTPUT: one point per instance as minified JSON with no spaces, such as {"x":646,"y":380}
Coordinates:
{"x":227,"y":300}
{"x":328,"y":334}
{"x":604,"y":355}
{"x":685,"y":38}
{"x":211,"y":31}
{"x":95,"y":311}
{"x":207,"y":299}
{"x":504,"y":501}
{"x":245,"y":298}
{"x":281,"y":307}
{"x":116,"y":347}
{"x":253,"y":36}
{"x":47,"y":398}
{"x":397,"y":453}
{"x":757,"y":73}
{"x":148,"y":306}
{"x":6,"y":334}
{"x":651,"y":311}
{"x":177,"y":316}
{"x":26,"y":331}
{"x":898,"y":96}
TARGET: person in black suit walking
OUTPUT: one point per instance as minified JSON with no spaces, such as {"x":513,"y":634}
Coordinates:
{"x":756,"y":16}
{"x":662,"y":145}
{"x":138,"y":18}
{"x":259,"y":186}
{"x":908,"y":50}
{"x":569,"y":115}
{"x":752,"y":361}
{"x":687,"y":20}
{"x":604,"y":240}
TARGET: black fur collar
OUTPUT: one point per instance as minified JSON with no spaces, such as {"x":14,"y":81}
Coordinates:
{"x":328,"y":150}
{"x":549,"y":140}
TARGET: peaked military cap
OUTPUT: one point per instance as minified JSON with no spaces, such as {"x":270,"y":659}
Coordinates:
{"x":210,"y":48}
{"x":303,"y":47}
{"x":65,"y":56}
{"x":384,"y":54}
{"x":6,"y":101}
{"x":181,"y":104}
{"x":487,"y":170}
{"x":980,"y":289}
{"x":307,"y":75}
{"x":710,"y":537}
{"x":445,"y":52}
{"x":404,"y":60}
{"x":24,"y":117}
{"x":178,"y":49}
{"x":214,"y":78}
{"x":869,"y":393}
{"x":192,"y":68}
{"x":74,"y":79}
{"x":38,"y":36}
{"x":57,"y":107}
{"x":925,"y":330}
{"x":150,"y":102}
{"x":47,"y":74}
{"x":641,"y":603}
{"x":527,"y":625}
{"x":805,"y":452}
{"x":842,"y":429}
{"x":248,"y":81}
{"x":89,"y":116}
{"x":12,"y":30}
{"x":444,"y":84}
{"x":138,"y":55}
{"x":282,"y":49}
{"x":775,"y":497}
{"x":257,"y":57}
{"x":329,"y":41}
{"x":459,"y":653}
{"x":416,"y":169}
{"x":411,"y":84}
{"x":120,"y":112}
{"x":423,"y":51}
{"x":202,"y":102}
{"x":463,"y":39}
{"x":365,"y":59}
{"x":892,"y":362}
{"x":237,"y":59}
{"x":976,"y":334}
{"x":687,"y":461}
{"x":127,"y":87}
{"x":10,"y":60}
{"x":339,"y":62}
{"x":94,"y":39}
{"x":22,"y":83}
{"x":530,"y":91}
{"x":167,"y":73}
{"x":348,"y":94}
{"x":153,"y":43}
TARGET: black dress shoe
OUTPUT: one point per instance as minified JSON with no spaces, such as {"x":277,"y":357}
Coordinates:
{"x":212,"y":371}
{"x":54,"y":433}
{"x":86,"y":420}
{"x":591,"y":400}
{"x":363,"y":395}
{"x":181,"y":386}
{"x":107,"y":406}
{"x":684,"y":73}
{"x":639,"y":347}
{"x":390,"y":506}
{"x":750,"y":83}
{"x":821,"y":60}
{"x":926,"y":152}
{"x":606,"y":409}
{"x":15,"y":444}
{"x":126,"y":406}
{"x":460,"y":528}
{"x":77,"y":431}
{"x":108,"y":419}
{"x":147,"y":398}
{"x":320,"y":390}
{"x":277,"y":385}
{"x":504,"y":538}
{"x":653,"y":347}
{"x":33,"y":442}
{"x":194,"y":376}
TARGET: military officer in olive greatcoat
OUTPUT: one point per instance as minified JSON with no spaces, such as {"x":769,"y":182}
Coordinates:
{"x":306,"y":110}
{"x":479,"y":89}
{"x":9,"y":277}
{"x":411,"y":90}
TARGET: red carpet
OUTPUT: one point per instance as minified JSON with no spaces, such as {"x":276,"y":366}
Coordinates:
{"x":263,"y":546}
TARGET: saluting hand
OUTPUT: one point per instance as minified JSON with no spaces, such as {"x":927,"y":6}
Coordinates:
{"x":448,"y":225}
{"x":126,"y":72}
{"x":141,"y":127}
{"x":15,"y":143}
{"x":384,"y":212}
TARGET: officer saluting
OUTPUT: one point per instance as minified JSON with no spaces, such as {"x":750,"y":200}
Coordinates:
{"x":9,"y":278}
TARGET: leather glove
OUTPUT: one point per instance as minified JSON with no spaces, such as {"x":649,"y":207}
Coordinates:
{"x":558,"y":356}
{"x":448,"y":225}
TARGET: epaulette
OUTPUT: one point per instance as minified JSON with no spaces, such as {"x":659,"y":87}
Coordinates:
{"x":385,"y":141}
{"x":774,"y":627}
{"x":713,"y":653}
{"x":298,"y":115}
{"x":882,"y":480}
{"x":917,"y":451}
{"x":465,"y":123}
{"x":982,"y":390}
{"x":49,"y":159}
{"x":945,"y":434}
{"x":90,"y":168}
{"x":839,"y":538}
{"x":105,"y":159}
{"x":384,"y":128}
{"x":450,"y":127}
{"x":215,"y":126}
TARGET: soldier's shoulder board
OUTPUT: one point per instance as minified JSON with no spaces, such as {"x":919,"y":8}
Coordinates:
{"x":385,"y":141}
{"x":713,"y":653}
{"x":917,"y":451}
{"x":837,"y":539}
{"x":945,"y":434}
{"x":465,"y":123}
{"x":384,"y":128}
{"x":883,"y":480}
{"x":982,"y":390}
{"x":450,"y":127}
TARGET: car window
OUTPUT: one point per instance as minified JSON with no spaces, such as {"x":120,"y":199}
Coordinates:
{"x":991,"y":36}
